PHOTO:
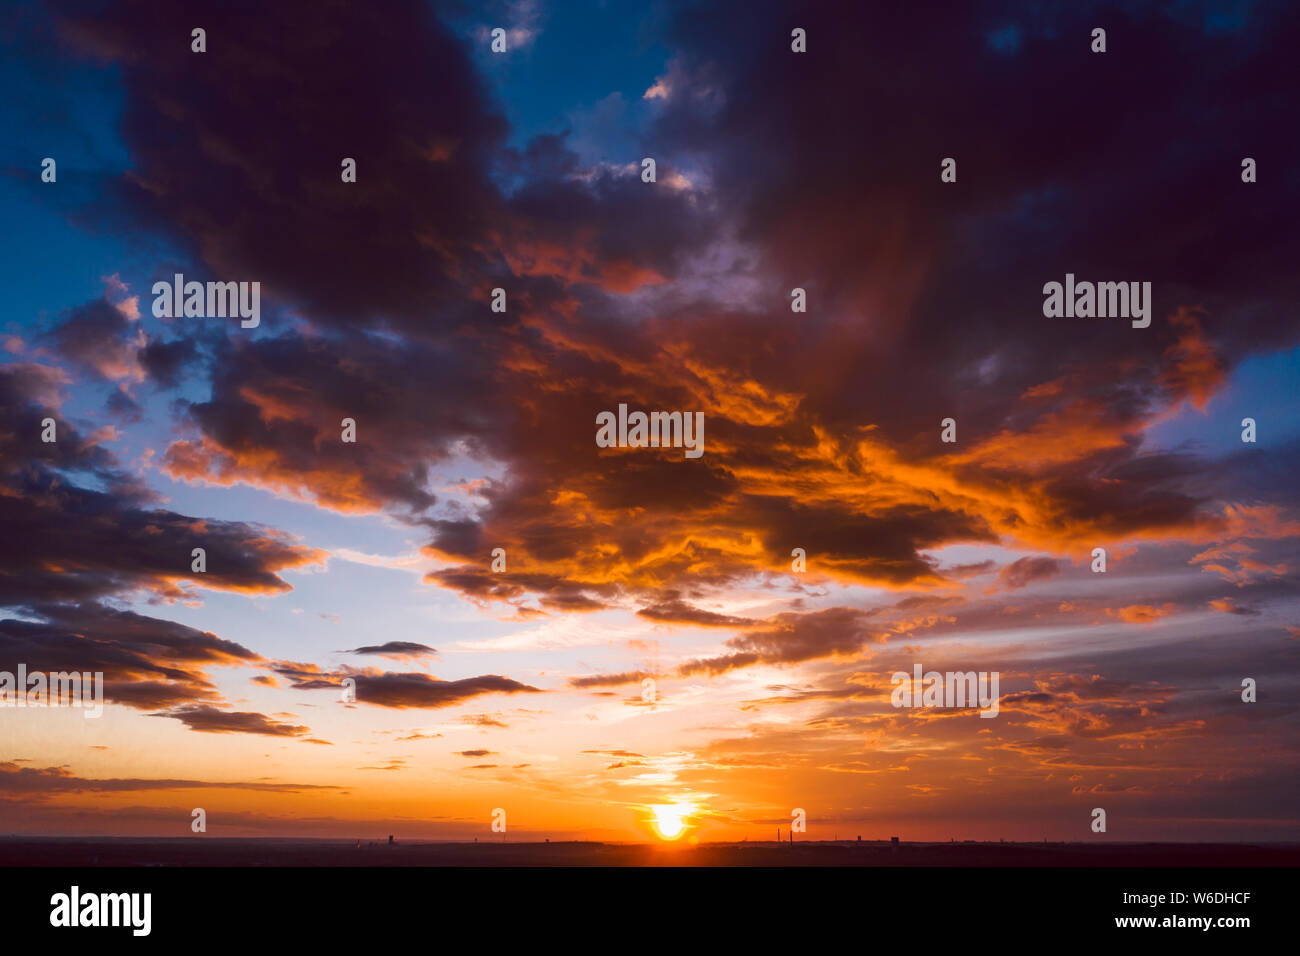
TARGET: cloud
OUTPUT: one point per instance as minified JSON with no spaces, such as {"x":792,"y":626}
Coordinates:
{"x":483,"y":720}
{"x":400,"y":690}
{"x":1228,"y":606}
{"x":1141,"y":613}
{"x":677,"y":611}
{"x":147,"y":663}
{"x":843,"y":463}
{"x":790,"y":637}
{"x":609,"y":680}
{"x":99,"y":340}
{"x":421,"y":690}
{"x":40,"y":784}
{"x":73,"y":542}
{"x":396,"y":649}
{"x":1025,"y":571}
{"x":822,"y":427}
{"x":210,"y":720}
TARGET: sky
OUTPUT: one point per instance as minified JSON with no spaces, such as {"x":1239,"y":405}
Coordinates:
{"x":476,"y":606}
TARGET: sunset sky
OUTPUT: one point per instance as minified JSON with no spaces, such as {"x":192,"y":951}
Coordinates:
{"x":524,"y":689}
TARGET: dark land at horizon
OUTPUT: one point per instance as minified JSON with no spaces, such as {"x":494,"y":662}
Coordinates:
{"x":203,"y":851}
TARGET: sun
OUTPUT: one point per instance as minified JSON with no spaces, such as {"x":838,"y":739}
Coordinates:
{"x":670,"y":819}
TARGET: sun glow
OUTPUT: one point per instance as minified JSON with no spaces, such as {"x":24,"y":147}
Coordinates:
{"x":670,"y":819}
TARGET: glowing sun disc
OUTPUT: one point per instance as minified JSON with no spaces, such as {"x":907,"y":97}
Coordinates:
{"x":670,"y":819}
